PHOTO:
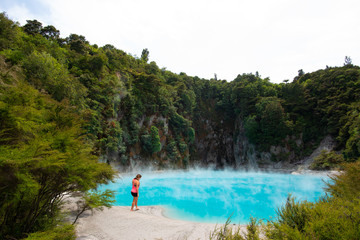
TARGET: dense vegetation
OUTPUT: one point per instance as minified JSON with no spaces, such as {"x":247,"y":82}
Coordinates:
{"x":45,"y":153}
{"x":65,"y":103}
{"x":134,"y":111}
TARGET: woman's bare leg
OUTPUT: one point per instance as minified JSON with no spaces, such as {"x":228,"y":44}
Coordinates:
{"x":133,"y":203}
{"x":136,"y":203}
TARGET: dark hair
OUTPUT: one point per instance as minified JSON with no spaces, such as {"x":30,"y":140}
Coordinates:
{"x":138,"y":176}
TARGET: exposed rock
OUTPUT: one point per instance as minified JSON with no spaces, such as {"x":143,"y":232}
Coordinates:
{"x":228,"y":145}
{"x":214,"y":144}
{"x":222,"y":144}
{"x":328,"y":144}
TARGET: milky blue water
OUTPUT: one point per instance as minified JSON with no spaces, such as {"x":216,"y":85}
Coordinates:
{"x":212,"y":196}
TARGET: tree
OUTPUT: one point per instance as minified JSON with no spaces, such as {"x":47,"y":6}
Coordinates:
{"x":94,"y":200}
{"x":268,"y":126}
{"x":172,"y":151}
{"x":8,"y":32}
{"x":327,"y":161}
{"x":301,"y":72}
{"x":97,"y":62}
{"x":145,"y":55}
{"x":252,"y":129}
{"x":348,"y":61}
{"x":191,"y":135}
{"x":33,"y":27}
{"x":45,"y":72}
{"x":50,"y":32}
{"x":151,"y":142}
{"x":155,"y":139}
{"x":350,"y":132}
{"x":46,"y":155}
{"x":77,"y":43}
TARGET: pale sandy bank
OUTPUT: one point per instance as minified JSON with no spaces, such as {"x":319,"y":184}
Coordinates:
{"x":148,"y":223}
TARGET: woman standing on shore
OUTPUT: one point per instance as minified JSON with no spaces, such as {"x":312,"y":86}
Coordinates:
{"x":135,"y":192}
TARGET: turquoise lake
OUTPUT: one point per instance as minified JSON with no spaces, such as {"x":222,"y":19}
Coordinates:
{"x":213,"y":196}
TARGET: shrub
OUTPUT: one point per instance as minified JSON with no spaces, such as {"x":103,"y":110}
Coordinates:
{"x":45,"y":72}
{"x":44,"y":154}
{"x":151,"y":142}
{"x":172,"y":151}
{"x":294,"y":214}
{"x":327,"y":160}
{"x":333,"y":217}
{"x":227,"y":232}
{"x":337,"y":218}
{"x":65,"y":232}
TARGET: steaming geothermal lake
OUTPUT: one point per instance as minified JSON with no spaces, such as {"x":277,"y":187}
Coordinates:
{"x":212,"y":196}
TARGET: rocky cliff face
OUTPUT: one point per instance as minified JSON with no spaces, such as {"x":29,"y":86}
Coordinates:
{"x":222,"y":144}
{"x":214,"y":144}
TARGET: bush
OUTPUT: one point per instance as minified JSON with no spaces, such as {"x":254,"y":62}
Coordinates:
{"x":95,"y":200}
{"x":172,"y":151}
{"x":45,"y":72}
{"x":151,"y":142}
{"x":65,"y":232}
{"x":327,"y":160}
{"x":182,"y":147}
{"x":294,"y":214}
{"x":227,"y":232}
{"x":44,"y":154}
{"x":336,"y":219}
{"x":333,"y":217}
{"x":346,"y":185}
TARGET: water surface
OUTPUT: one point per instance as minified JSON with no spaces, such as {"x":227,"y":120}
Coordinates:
{"x":212,"y":196}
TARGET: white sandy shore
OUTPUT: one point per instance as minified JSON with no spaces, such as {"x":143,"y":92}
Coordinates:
{"x":119,"y":223}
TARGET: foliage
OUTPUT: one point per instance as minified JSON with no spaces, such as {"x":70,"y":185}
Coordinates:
{"x":348,"y":61}
{"x":191,"y":134}
{"x":145,"y":55}
{"x":327,"y":160}
{"x":64,"y":103}
{"x":350,"y":134}
{"x":294,"y":214}
{"x":8,"y":32}
{"x":62,"y":232}
{"x":268,"y":126}
{"x":225,"y":232}
{"x":346,"y":185}
{"x":78,"y":43}
{"x":44,"y":155}
{"x":332,"y":217}
{"x":95,"y":200}
{"x":33,"y":27}
{"x":151,"y":142}
{"x":172,"y":151}
{"x":44,"y":72}
{"x":228,"y":232}
{"x":155,"y":139}
{"x":115,"y":91}
{"x":50,"y":32}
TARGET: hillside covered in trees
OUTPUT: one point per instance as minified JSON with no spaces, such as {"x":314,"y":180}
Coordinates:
{"x":66,"y":105}
{"x":135,"y":112}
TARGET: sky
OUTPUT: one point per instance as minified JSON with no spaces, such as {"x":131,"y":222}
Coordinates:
{"x":275,"y":38}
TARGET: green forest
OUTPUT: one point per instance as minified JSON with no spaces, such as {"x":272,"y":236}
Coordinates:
{"x":69,"y":110}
